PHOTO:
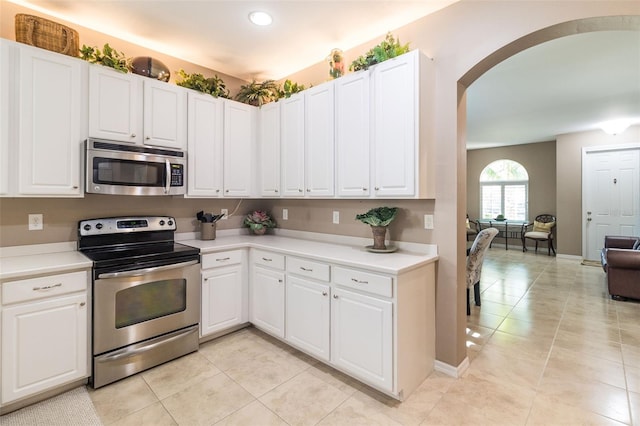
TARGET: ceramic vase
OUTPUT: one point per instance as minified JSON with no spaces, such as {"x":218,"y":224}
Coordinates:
{"x":379,"y":234}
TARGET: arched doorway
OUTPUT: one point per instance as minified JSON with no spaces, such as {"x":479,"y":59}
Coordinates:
{"x":609,"y":23}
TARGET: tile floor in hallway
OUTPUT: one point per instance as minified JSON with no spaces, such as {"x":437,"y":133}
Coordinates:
{"x":547,"y":346}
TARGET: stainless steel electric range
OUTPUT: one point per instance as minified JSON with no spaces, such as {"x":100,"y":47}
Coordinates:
{"x":145,"y":291}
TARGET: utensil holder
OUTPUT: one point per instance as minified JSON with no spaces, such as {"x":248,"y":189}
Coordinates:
{"x":207,"y":231}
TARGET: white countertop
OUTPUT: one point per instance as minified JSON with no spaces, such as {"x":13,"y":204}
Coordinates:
{"x":404,"y":259}
{"x":23,"y":261}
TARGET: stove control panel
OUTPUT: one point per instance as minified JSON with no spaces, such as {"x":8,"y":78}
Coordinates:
{"x":117,"y":225}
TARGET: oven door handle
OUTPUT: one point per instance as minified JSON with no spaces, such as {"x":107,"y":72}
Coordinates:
{"x":139,"y":272}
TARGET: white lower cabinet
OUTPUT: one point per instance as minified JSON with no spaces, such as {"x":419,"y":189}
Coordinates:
{"x":44,"y":334}
{"x":267,"y":292}
{"x":308,"y":316}
{"x":362,"y":337}
{"x":224,"y":292}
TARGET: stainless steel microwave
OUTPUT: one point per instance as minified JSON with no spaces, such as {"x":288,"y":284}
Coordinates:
{"x":125,"y":169}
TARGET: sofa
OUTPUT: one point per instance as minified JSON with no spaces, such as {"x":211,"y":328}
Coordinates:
{"x":620,"y":259}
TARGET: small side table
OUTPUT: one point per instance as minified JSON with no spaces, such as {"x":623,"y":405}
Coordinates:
{"x":506,"y":228}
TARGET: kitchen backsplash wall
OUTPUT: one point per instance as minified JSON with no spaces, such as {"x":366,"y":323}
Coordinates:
{"x":61,"y":215}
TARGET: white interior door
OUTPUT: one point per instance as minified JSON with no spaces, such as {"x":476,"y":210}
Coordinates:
{"x":611,"y":197}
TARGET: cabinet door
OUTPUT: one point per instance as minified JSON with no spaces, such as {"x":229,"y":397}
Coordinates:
{"x":51,"y":123}
{"x":222,"y":299}
{"x":239,"y":134}
{"x":165,"y":114}
{"x":307,"y":316}
{"x":6,"y":97}
{"x":267,"y":300}
{"x":115,"y":105}
{"x":352,"y":135}
{"x":319,"y":140}
{"x":362,"y":337}
{"x":269,"y":150}
{"x":395,"y":126}
{"x":44,"y":345}
{"x":204,"y":175}
{"x":292,"y":145}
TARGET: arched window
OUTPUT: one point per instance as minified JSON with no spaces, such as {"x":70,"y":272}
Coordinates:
{"x":504,"y":189}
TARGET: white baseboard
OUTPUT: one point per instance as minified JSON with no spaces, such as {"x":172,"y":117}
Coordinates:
{"x":451,"y":370}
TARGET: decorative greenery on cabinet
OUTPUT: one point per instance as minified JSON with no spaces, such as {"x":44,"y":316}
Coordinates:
{"x":213,"y":86}
{"x":387,"y":49}
{"x":108,"y":57}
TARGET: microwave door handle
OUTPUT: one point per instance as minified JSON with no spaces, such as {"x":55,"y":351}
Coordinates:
{"x":167,"y":183}
{"x":145,"y":271}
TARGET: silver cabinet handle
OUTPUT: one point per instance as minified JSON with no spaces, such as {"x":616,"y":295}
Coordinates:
{"x":377,"y":188}
{"x":359,"y":281}
{"x":133,"y":135}
{"x":148,"y":138}
{"x":335,"y":296}
{"x":267,"y":259}
{"x":364,"y":189}
{"x":275,"y":190}
{"x":139,"y":272}
{"x":299,"y":190}
{"x":324,"y":293}
{"x":279,"y":281}
{"x":82,"y":303}
{"x":306,"y":269}
{"x":223,"y":259}
{"x":47,"y":287}
{"x":308,"y":190}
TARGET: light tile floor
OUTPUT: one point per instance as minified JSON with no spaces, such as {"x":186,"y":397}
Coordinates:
{"x":547,"y":346}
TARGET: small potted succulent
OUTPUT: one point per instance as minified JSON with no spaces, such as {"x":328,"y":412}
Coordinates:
{"x":259,"y":221}
{"x":378,"y":218}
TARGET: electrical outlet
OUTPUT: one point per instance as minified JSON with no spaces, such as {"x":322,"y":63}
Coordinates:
{"x":224,"y":212}
{"x":336,"y":217}
{"x":285,"y":214}
{"x":428,"y":221}
{"x":35,"y":222}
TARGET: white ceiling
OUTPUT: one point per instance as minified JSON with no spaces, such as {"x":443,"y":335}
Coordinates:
{"x":562,"y":86}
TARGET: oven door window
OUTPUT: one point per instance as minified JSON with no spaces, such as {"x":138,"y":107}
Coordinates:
{"x":128,"y":172}
{"x":150,"y":300}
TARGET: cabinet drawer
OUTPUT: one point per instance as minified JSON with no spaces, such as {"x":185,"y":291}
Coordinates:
{"x":363,"y":281}
{"x":222,"y":258}
{"x":41,"y":287}
{"x":268,"y":259}
{"x":308,"y":268}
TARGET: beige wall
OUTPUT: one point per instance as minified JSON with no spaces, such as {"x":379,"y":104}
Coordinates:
{"x":540,"y":161}
{"x":92,"y":38}
{"x":465,"y":40}
{"x":569,"y":178}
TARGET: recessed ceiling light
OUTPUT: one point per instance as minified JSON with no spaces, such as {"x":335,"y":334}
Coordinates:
{"x":260,"y":18}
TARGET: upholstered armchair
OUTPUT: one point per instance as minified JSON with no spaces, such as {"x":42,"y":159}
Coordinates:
{"x":540,"y":230}
{"x":472,"y":228}
{"x":475,"y":258}
{"x":621,"y":261}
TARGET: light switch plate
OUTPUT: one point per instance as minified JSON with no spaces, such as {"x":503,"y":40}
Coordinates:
{"x":428,"y":221}
{"x":285,"y":214}
{"x":224,"y":212}
{"x":336,"y":217}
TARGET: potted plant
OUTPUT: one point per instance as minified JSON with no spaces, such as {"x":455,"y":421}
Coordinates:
{"x":258,"y":94}
{"x":289,"y":88}
{"x":378,"y":218}
{"x":259,"y":221}
{"x":387,"y":49}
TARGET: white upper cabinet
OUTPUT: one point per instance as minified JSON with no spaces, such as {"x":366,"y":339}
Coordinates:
{"x":292,"y":145}
{"x":51,"y":126}
{"x":269,"y":150}
{"x":352,"y":135}
{"x":165,"y":114}
{"x":205,"y":137}
{"x":6,"y":98}
{"x":239,"y":148}
{"x":319,"y":140}
{"x":402,"y":128}
{"x":115,"y":105}
{"x":135,"y":109}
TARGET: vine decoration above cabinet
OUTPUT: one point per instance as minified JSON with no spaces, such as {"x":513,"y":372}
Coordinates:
{"x":387,"y":49}
{"x":213,"y":86}
{"x":108,"y":57}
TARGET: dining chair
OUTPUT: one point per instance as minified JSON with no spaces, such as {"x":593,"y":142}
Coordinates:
{"x":475,"y":259}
